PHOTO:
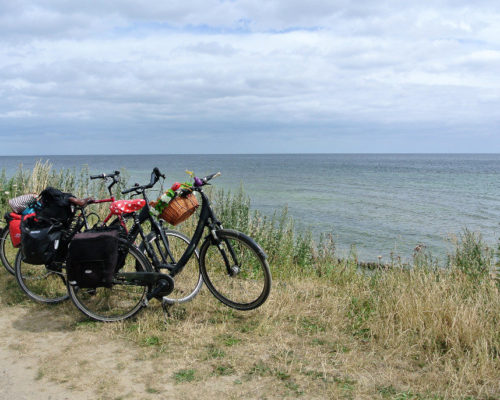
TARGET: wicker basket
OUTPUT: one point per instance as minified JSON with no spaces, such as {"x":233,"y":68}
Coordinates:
{"x":179,"y":209}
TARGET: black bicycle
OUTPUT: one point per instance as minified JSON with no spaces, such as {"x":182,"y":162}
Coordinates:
{"x":233,"y":266}
{"x":46,"y":283}
{"x":161,"y":248}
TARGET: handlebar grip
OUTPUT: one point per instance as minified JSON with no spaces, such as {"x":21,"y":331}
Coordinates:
{"x":96,"y":176}
{"x":210,"y":177}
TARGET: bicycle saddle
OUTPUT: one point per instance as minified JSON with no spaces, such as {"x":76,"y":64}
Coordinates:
{"x":126,"y":206}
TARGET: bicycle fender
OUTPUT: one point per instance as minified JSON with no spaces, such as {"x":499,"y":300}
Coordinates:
{"x":241,"y":235}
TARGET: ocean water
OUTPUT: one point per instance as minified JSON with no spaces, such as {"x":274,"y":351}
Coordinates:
{"x":380,"y":203}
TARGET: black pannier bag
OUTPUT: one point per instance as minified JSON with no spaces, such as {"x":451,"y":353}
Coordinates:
{"x":39,"y":241}
{"x":92,"y":258}
{"x":55,"y":205}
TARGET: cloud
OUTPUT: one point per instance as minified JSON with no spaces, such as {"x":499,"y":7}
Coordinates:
{"x":242,"y":68}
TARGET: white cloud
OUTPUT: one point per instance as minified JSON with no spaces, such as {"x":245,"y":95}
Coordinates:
{"x":274,"y":65}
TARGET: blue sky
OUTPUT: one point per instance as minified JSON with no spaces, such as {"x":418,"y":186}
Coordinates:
{"x":124,"y":76}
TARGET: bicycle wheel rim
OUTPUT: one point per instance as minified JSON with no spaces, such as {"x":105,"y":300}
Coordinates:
{"x":250,"y":286}
{"x":40,"y":283}
{"x":7,"y":251}
{"x":118,"y":302}
{"x":189,"y":281}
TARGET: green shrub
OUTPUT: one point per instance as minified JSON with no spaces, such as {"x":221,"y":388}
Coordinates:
{"x":471,"y":256}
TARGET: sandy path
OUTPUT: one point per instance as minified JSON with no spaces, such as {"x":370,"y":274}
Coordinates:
{"x":44,"y":357}
{"x":20,"y":377}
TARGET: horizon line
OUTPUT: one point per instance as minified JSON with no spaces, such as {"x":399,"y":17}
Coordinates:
{"x":250,"y":154}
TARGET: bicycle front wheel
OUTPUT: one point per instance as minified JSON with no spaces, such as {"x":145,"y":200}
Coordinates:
{"x":120,"y":301}
{"x":42,"y":283}
{"x":235,"y":270}
{"x":7,"y":251}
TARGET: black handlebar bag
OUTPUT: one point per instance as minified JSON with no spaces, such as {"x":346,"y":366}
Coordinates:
{"x":39,"y":241}
{"x":92,"y":259}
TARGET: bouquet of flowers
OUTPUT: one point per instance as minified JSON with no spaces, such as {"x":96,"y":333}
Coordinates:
{"x":174,"y":208}
{"x":164,"y":200}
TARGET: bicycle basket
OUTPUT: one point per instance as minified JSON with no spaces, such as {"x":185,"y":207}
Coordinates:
{"x":179,"y":209}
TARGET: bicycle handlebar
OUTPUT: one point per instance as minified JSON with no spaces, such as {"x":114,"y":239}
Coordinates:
{"x":204,"y":181}
{"x":155,"y":177}
{"x":132,"y":189}
{"x":156,"y":174}
{"x":104,"y":176}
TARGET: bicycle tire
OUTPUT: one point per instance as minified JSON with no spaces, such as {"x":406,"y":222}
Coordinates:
{"x":102,"y":303}
{"x":249,"y":284}
{"x":7,"y":251}
{"x":189,"y":282}
{"x":40,"y":283}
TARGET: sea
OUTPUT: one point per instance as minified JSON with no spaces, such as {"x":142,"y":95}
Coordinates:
{"x":378,"y":205}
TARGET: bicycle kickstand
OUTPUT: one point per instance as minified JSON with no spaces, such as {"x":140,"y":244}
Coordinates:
{"x":166,"y":312}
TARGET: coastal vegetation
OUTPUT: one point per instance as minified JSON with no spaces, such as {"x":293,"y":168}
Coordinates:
{"x":415,"y":330}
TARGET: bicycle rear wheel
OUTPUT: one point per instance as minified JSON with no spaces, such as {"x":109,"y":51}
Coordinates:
{"x":120,"y":301}
{"x":7,"y":251}
{"x":42,"y":283}
{"x":188,"y":282}
{"x":235,"y":270}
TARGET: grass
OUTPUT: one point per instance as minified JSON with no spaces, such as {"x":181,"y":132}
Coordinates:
{"x":328,"y":330}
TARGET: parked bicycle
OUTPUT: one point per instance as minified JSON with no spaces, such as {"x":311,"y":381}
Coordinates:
{"x":46,"y":283}
{"x":162,"y":248}
{"x":233,"y":266}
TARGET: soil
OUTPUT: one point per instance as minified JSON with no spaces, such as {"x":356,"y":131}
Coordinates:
{"x":44,"y":357}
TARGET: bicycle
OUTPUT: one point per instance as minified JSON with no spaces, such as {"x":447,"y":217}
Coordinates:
{"x":47,"y":283}
{"x":226,"y":258}
{"x":161,"y":247}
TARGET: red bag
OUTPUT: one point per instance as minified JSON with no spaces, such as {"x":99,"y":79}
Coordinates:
{"x":15,"y":228}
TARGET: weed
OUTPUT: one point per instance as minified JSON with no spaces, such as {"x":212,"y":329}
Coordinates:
{"x":214,"y":352}
{"x":260,"y":369}
{"x":230,"y":341}
{"x":151,"y":341}
{"x":359,"y":312}
{"x":39,"y":375}
{"x":312,"y":325}
{"x":184,"y":375}
{"x":293,"y":386}
{"x":471,"y":256}
{"x":224,"y":370}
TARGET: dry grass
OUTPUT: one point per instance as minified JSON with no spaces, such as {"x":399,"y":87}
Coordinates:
{"x":398,"y":334}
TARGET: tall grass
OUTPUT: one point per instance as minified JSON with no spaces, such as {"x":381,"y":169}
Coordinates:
{"x":67,"y":180}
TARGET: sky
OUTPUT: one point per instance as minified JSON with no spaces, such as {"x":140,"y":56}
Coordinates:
{"x":242,"y":76}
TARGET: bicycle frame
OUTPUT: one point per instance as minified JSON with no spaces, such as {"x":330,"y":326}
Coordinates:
{"x":207,"y":218}
{"x":137,"y":230}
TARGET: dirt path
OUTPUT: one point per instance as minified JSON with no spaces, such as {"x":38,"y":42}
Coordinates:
{"x":43,"y":356}
{"x":20,"y":376}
